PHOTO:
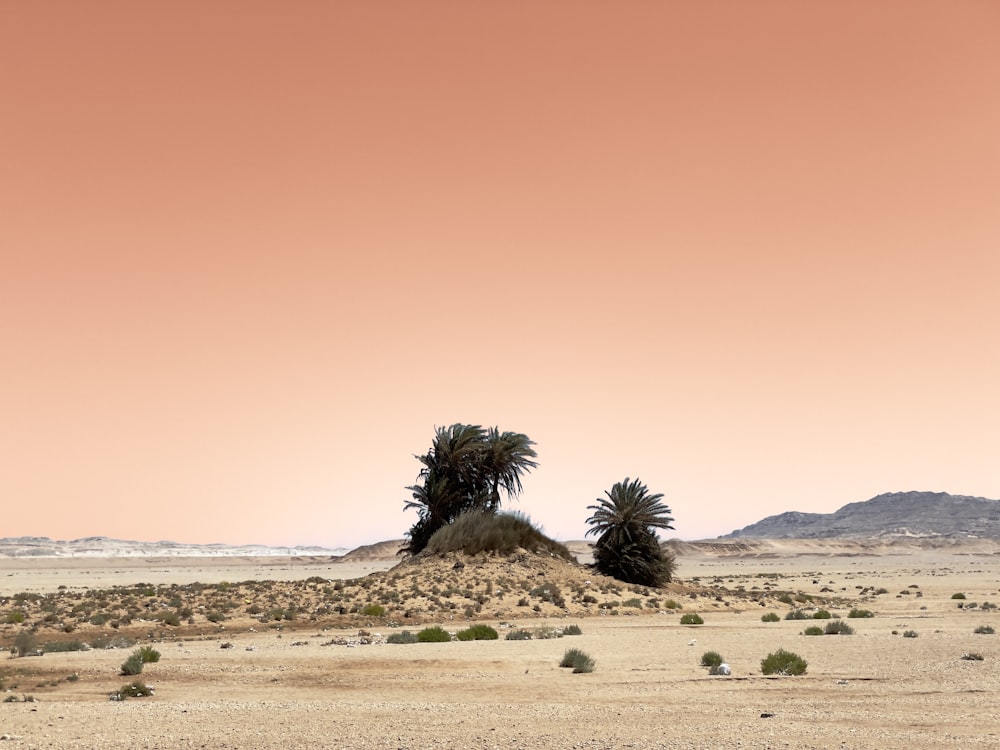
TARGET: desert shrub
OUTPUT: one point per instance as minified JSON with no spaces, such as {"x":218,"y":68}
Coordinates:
{"x":25,"y":643}
{"x":474,"y":532}
{"x":796,"y":614}
{"x":214,"y":616}
{"x":671,"y":604}
{"x":691,"y":618}
{"x":147,"y":654}
{"x":132,"y":665}
{"x":404,"y":637}
{"x":821,"y":614}
{"x":14,"y":618}
{"x":783,"y":662}
{"x":909,"y":633}
{"x":117,"y":641}
{"x":711,"y":659}
{"x":477,"y":633}
{"x":770,"y":617}
{"x":813,"y":630}
{"x":518,"y":635}
{"x":786,"y":599}
{"x":838,"y":627}
{"x":169,"y":618}
{"x":958,"y":595}
{"x":984,"y":630}
{"x":134,"y":689}
{"x":572,"y":630}
{"x":373,"y":610}
{"x":578,"y":660}
{"x":99,"y":618}
{"x":860,"y":613}
{"x":972,"y":656}
{"x":988,"y":605}
{"x":435,"y":634}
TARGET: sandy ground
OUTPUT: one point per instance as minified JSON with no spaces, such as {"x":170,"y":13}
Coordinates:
{"x":286,"y":689}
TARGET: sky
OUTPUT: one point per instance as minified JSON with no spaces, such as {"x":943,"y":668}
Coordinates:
{"x":252,"y":253}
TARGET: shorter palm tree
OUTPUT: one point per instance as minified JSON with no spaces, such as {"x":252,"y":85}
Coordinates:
{"x":627,"y":547}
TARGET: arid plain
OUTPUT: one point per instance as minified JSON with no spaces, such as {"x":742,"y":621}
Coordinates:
{"x":280,"y":653}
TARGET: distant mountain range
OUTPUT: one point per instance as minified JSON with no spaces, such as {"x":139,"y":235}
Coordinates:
{"x":894,"y":514}
{"x":102,"y":546}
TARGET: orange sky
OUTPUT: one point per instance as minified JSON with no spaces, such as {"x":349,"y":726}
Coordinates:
{"x":253,"y":252}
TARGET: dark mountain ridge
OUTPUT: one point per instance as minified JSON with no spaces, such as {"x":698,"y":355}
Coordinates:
{"x":900,"y":514}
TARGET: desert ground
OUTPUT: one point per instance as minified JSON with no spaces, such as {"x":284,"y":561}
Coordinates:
{"x":325,"y":677}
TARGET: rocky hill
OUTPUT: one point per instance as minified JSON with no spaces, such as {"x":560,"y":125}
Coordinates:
{"x":894,"y":514}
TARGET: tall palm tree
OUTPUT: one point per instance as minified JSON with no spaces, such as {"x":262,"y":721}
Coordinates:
{"x":506,"y":457}
{"x":466,"y":468}
{"x":627,"y":547}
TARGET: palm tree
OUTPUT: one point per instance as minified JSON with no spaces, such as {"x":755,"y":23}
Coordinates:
{"x":506,"y":456}
{"x":466,"y":468}
{"x":627,"y":547}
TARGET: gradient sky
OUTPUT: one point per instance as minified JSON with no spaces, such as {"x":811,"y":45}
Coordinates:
{"x":252,"y":253}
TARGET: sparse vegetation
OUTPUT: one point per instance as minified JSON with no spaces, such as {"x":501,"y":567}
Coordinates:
{"x":403,"y":637}
{"x":435,"y":634}
{"x":860,"y":613}
{"x":972,"y":656}
{"x":477,"y":633}
{"x":838,"y":627}
{"x":578,"y":660}
{"x":572,"y":630}
{"x":783,"y":662}
{"x":984,"y":630}
{"x":711,"y":659}
{"x":477,"y":531}
{"x":796,"y":614}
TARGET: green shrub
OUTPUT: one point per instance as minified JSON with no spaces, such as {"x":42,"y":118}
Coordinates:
{"x":821,"y":614}
{"x":860,"y":613}
{"x":518,"y":635}
{"x":796,"y":614}
{"x":147,"y":654}
{"x":14,"y":618}
{"x":215,"y":616}
{"x":405,"y":637}
{"x":477,"y":633}
{"x":572,"y":630}
{"x":783,"y":662}
{"x":909,"y":633}
{"x":838,"y":627}
{"x":373,"y":610}
{"x":813,"y":630}
{"x":578,"y":660}
{"x":132,"y":665}
{"x":711,"y":659}
{"x":959,"y":595}
{"x":984,"y":630}
{"x":435,"y":634}
{"x":770,"y":617}
{"x":635,"y":602}
{"x":671,"y":604}
{"x":692,"y":618}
